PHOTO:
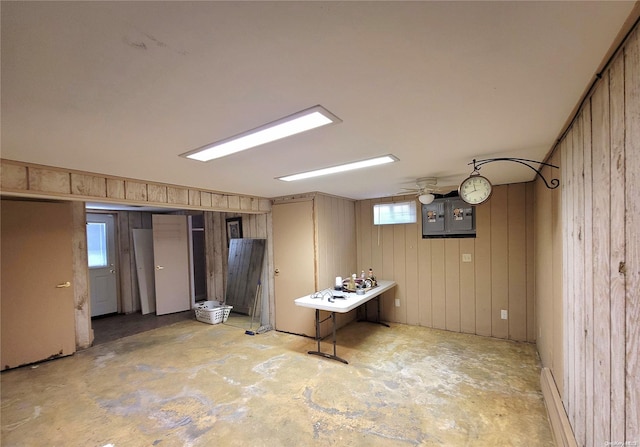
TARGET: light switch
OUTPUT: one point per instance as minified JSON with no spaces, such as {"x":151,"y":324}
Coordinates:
{"x":466,"y":257}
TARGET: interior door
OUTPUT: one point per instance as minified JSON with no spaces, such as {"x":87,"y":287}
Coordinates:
{"x":171,"y":259}
{"x":294,"y":259}
{"x":101,"y":248}
{"x":37,"y":310}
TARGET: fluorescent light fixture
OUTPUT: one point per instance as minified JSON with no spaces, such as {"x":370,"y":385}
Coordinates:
{"x":293,"y":124}
{"x":341,"y":168}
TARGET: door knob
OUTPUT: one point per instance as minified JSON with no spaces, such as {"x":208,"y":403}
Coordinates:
{"x":64,"y":285}
{"x":277,"y":271}
{"x":112,"y":271}
{"x":159,"y":267}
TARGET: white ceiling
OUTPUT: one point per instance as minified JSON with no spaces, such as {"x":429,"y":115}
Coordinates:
{"x":123,"y":88}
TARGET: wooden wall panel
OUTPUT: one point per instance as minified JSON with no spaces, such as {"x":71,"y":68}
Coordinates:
{"x":388,"y":269}
{"x":467,"y":287}
{"x":438,"y":284}
{"x":617,"y":237}
{"x":115,"y":189}
{"x":530,"y":261}
{"x":482,"y":263}
{"x":135,"y":191}
{"x":587,"y":262}
{"x":411,"y":303}
{"x":215,"y":251}
{"x":452,"y":284}
{"x":577,"y":413}
{"x":88,"y":185}
{"x":81,"y":289}
{"x":157,"y":193}
{"x":335,"y":245}
{"x":233,"y":201}
{"x":601,"y":176}
{"x":49,"y":180}
{"x":399,"y":314}
{"x":557,"y":272}
{"x":544,"y":269}
{"x":517,"y":258}
{"x":177,"y":195}
{"x":632,"y":225}
{"x":376,"y":243}
{"x":13,"y":177}
{"x":125,"y":261}
{"x":600,"y":249}
{"x":424,"y":297}
{"x":499,"y":261}
{"x":205,"y":199}
{"x":194,"y":197}
{"x":567,"y":280}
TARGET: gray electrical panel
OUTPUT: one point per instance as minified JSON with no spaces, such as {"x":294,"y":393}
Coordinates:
{"x":448,"y":217}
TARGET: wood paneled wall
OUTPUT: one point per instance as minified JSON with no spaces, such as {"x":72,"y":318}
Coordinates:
{"x":81,"y":291}
{"x":217,"y":255}
{"x":28,"y":179}
{"x":600,"y":248}
{"x":549,"y":271}
{"x":436,"y":289}
{"x":129,"y":295}
{"x":335,"y":245}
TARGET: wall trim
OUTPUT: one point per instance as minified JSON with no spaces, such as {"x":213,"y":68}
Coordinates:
{"x":560,"y":425}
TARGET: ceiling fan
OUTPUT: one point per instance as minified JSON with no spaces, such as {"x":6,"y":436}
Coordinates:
{"x":426,"y":187}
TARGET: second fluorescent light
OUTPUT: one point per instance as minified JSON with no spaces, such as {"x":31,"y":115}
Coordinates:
{"x":341,"y":168}
{"x":293,"y":124}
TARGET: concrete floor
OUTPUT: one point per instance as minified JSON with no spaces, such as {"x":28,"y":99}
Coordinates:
{"x":194,"y":384}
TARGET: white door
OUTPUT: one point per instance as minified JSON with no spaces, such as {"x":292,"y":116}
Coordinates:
{"x":171,"y":259}
{"x":101,"y":247}
{"x":38,"y":319}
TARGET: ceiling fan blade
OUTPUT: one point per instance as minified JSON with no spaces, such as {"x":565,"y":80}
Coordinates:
{"x":445,"y":189}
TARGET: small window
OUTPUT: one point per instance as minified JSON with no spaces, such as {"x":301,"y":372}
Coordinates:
{"x":97,"y":244}
{"x":394,"y":213}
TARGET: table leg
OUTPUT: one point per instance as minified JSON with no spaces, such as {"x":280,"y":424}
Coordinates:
{"x":366,"y":314}
{"x":380,"y":322}
{"x":319,"y":352}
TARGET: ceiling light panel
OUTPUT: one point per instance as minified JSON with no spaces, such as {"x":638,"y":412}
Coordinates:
{"x":341,"y":168}
{"x":290,"y":125}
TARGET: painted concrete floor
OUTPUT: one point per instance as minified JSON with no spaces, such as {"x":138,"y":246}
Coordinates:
{"x":193,"y":384}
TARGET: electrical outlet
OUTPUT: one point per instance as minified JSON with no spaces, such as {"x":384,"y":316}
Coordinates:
{"x":397,"y":302}
{"x":466,"y":257}
{"x":503,"y":314}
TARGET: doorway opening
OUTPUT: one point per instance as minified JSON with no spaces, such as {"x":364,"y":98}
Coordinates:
{"x":112,"y":241}
{"x":103,"y":264}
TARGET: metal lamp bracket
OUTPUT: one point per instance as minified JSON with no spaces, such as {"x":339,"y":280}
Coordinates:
{"x":552,"y":184}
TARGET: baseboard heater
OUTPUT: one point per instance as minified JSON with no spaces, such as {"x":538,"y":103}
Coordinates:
{"x":562,"y":431}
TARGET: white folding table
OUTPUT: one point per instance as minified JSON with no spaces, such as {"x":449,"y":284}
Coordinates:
{"x":341,"y":302}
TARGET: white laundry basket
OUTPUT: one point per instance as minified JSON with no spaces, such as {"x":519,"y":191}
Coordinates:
{"x":212,"y":312}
